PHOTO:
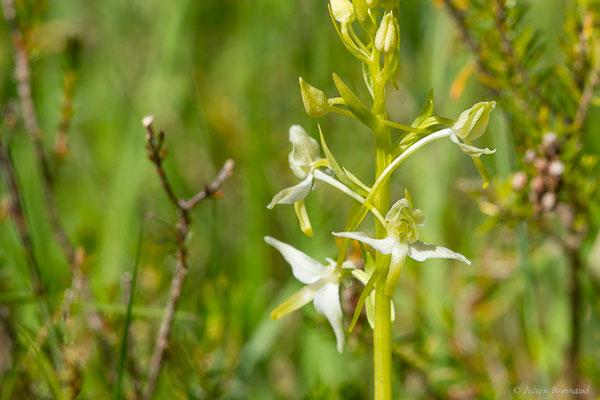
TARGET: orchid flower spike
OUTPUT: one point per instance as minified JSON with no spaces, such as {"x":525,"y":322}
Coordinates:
{"x":322,"y":287}
{"x":470,"y":126}
{"x":402,"y":221}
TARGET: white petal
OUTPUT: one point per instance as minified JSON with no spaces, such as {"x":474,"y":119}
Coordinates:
{"x":327,"y":303}
{"x":383,"y":246}
{"x":422,"y":251}
{"x":293,"y":194}
{"x":305,"y":269}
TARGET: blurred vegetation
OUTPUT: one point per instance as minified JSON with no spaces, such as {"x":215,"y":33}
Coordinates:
{"x":221,"y":79}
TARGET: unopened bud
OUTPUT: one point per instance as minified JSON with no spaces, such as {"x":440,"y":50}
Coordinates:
{"x":472,"y":122}
{"x":315,"y":101}
{"x":387,"y":4}
{"x":538,"y":184}
{"x":361,"y":10}
{"x":342,"y":11}
{"x":540,"y":164}
{"x":556,"y":168}
{"x":372,"y":3}
{"x":529,"y":156}
{"x":147,"y":121}
{"x":548,"y":201}
{"x":387,"y":36}
{"x":519,"y":180}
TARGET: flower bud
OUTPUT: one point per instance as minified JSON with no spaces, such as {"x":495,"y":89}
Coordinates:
{"x":472,"y":122}
{"x":315,"y":102}
{"x":387,"y":4}
{"x":342,"y":11}
{"x":361,"y":10}
{"x":519,"y":180}
{"x":556,"y":168}
{"x":387,"y":36}
{"x":372,"y":3}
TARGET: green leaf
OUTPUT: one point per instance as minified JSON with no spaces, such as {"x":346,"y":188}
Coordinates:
{"x":354,"y":104}
{"x":338,"y":170}
{"x":426,"y":111}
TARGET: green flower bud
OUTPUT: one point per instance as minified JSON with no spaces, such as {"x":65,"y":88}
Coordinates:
{"x":305,"y":151}
{"x":372,"y":3}
{"x":388,"y":34}
{"x":403,"y":221}
{"x":387,"y":4}
{"x":361,"y":10}
{"x":342,"y":11}
{"x":472,"y":123}
{"x":315,"y":102}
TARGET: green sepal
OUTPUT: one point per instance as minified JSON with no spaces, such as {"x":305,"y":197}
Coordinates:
{"x":356,"y":107}
{"x":338,"y":170}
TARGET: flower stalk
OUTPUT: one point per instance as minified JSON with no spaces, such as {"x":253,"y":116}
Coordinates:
{"x":396,"y":234}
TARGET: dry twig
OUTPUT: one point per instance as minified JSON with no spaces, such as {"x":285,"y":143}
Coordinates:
{"x":23,"y":79}
{"x":156,"y":154}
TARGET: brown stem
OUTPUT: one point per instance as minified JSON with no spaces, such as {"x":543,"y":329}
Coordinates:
{"x":157,"y":154}
{"x":23,"y":78}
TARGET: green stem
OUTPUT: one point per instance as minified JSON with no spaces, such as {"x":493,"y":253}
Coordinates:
{"x":382,"y":334}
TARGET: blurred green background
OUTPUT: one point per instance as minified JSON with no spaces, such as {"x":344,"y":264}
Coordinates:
{"x":221,"y":79}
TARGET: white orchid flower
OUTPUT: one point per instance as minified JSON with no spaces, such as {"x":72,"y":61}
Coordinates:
{"x":401,"y":241}
{"x":305,"y":154}
{"x":305,"y":161}
{"x":322,"y":287}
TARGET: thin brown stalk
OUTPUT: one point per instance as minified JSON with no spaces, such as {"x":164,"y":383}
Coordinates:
{"x":23,"y":79}
{"x":156,"y":154}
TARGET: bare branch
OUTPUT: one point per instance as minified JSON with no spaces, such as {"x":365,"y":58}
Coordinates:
{"x":157,"y":154}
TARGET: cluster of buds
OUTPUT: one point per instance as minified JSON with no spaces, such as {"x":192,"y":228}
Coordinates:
{"x":547,"y":177}
{"x":376,"y":49}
